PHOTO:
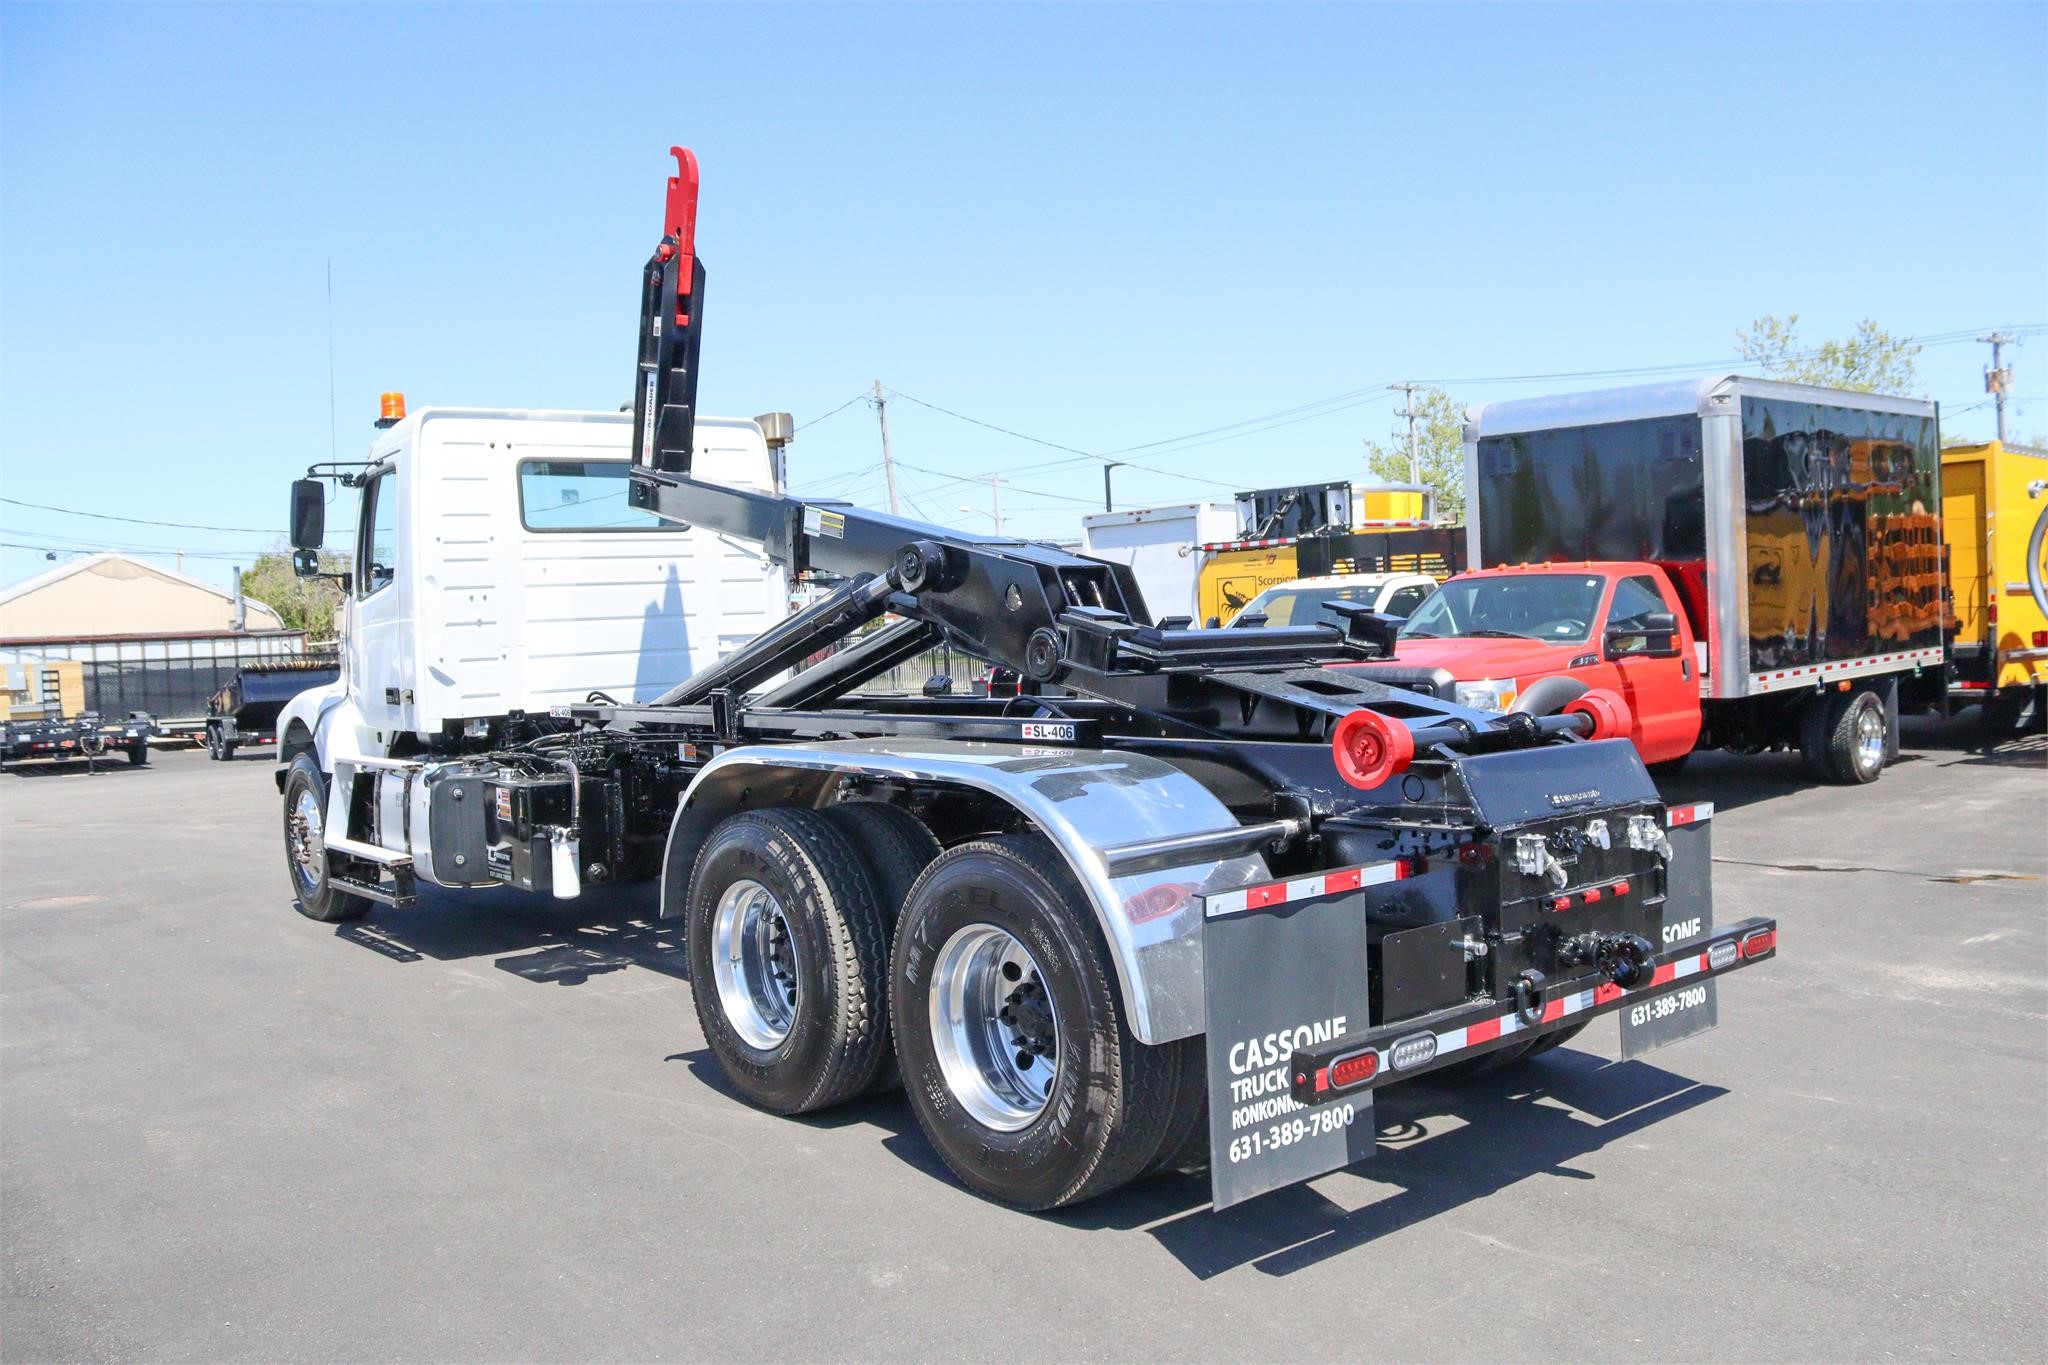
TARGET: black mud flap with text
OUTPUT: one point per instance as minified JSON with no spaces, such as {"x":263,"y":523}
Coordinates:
{"x":1281,"y":974}
{"x":1688,"y":914}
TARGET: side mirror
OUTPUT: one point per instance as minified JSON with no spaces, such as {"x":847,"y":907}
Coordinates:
{"x":309,"y":514}
{"x":1654,"y":633}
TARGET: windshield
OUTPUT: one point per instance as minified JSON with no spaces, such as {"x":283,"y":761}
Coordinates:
{"x":1295,"y":606}
{"x":1554,"y":607}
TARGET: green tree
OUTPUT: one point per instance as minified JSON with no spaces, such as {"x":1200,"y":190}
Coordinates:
{"x":306,"y":604}
{"x":1440,"y":451}
{"x":1869,"y":360}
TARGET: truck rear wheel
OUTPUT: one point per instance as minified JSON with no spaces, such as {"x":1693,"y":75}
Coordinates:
{"x":305,"y":855}
{"x":896,"y":846}
{"x":1842,"y":737}
{"x":789,"y":960}
{"x":1019,"y":1065}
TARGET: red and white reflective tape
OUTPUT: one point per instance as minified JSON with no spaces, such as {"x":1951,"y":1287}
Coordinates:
{"x":1306,"y":888}
{"x":1674,"y":816}
{"x":1219,"y":545}
{"x":1504,"y":1025}
{"x":1845,"y":667}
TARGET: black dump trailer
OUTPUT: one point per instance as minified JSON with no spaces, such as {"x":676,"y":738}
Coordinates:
{"x":246,"y":710}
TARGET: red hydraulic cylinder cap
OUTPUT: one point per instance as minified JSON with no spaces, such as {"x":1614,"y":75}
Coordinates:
{"x":1370,"y":748}
{"x":1606,"y":713}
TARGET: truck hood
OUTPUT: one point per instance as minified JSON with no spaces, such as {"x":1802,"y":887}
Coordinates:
{"x":1488,"y":656}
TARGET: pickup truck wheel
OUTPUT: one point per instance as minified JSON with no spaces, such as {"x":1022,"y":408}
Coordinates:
{"x":138,"y":753}
{"x":789,"y":960}
{"x":1010,"y":1031}
{"x":305,"y":856}
{"x":897,"y":847}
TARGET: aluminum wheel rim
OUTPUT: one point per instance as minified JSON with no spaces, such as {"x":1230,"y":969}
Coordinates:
{"x":309,"y":852}
{"x":1870,"y":738}
{"x":993,"y":1029}
{"x":753,"y":963}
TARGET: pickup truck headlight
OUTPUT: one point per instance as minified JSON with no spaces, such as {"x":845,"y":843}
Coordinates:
{"x":1488,"y":694}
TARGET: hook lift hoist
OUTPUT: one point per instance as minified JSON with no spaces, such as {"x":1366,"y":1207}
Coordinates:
{"x":1188,"y":899}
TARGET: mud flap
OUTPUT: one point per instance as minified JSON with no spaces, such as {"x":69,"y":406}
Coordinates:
{"x":1279,"y":977}
{"x":1688,"y":915}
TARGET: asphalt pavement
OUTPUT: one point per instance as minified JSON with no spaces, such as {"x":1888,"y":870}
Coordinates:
{"x":486,"y":1128}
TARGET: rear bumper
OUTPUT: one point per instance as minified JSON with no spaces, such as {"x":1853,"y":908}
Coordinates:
{"x":1415,"y":1047}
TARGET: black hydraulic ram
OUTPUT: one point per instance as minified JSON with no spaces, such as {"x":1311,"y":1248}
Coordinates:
{"x":1363,"y":1062}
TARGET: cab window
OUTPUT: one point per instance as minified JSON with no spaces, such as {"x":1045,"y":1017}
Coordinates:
{"x":377,"y":551}
{"x":581,"y":495}
{"x":1635,"y":598}
{"x":1406,"y":600}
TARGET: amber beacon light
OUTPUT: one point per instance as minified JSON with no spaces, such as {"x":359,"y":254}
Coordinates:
{"x":390,"y":409}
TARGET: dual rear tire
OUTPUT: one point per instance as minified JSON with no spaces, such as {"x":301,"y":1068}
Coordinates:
{"x":818,"y":940}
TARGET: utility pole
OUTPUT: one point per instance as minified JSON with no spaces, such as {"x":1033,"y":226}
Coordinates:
{"x":1408,"y":411}
{"x":888,"y":465}
{"x":1112,"y":464}
{"x":1998,"y":378}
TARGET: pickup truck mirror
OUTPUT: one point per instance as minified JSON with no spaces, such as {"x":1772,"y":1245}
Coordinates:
{"x":1654,"y":633}
{"x":309,"y":514}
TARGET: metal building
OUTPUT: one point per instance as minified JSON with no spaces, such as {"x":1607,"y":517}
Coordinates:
{"x":147,"y":638}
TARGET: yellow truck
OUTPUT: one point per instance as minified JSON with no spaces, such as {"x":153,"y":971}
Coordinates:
{"x":1994,"y":508}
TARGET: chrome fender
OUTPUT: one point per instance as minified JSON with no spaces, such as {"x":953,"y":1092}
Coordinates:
{"x":1084,"y":800}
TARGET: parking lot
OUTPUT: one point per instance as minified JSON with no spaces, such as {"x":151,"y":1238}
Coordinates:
{"x":488,"y":1128}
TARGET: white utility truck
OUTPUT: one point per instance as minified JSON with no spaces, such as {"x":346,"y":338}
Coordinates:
{"x":1162,"y":547}
{"x":1035,"y":908}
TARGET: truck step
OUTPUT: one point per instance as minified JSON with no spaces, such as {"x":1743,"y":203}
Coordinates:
{"x":399,"y":895}
{"x":369,"y":853}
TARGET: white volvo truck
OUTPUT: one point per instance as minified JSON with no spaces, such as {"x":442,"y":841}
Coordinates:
{"x":1189,"y":898}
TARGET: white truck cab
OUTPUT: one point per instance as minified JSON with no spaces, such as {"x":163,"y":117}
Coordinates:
{"x":500,"y":572}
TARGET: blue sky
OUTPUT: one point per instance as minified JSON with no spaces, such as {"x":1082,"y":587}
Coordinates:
{"x":1103,"y":226}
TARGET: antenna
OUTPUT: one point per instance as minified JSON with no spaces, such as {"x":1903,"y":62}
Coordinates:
{"x":332,"y":446}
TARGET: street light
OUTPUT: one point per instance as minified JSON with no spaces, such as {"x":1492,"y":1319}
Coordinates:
{"x":984,"y":512}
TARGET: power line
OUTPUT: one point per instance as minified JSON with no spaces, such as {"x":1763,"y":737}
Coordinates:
{"x":834,"y":413}
{"x":961,"y":416}
{"x":138,"y":521}
{"x":984,"y":478}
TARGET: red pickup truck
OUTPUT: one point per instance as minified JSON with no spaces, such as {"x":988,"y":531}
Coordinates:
{"x":1534,"y":637}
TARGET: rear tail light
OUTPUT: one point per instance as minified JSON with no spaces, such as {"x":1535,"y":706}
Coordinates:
{"x":1760,"y":942}
{"x":1354,"y":1070}
{"x":2041,"y":639}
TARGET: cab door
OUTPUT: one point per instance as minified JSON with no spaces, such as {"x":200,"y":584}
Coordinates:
{"x":380,"y":638}
{"x":1653,"y":667}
